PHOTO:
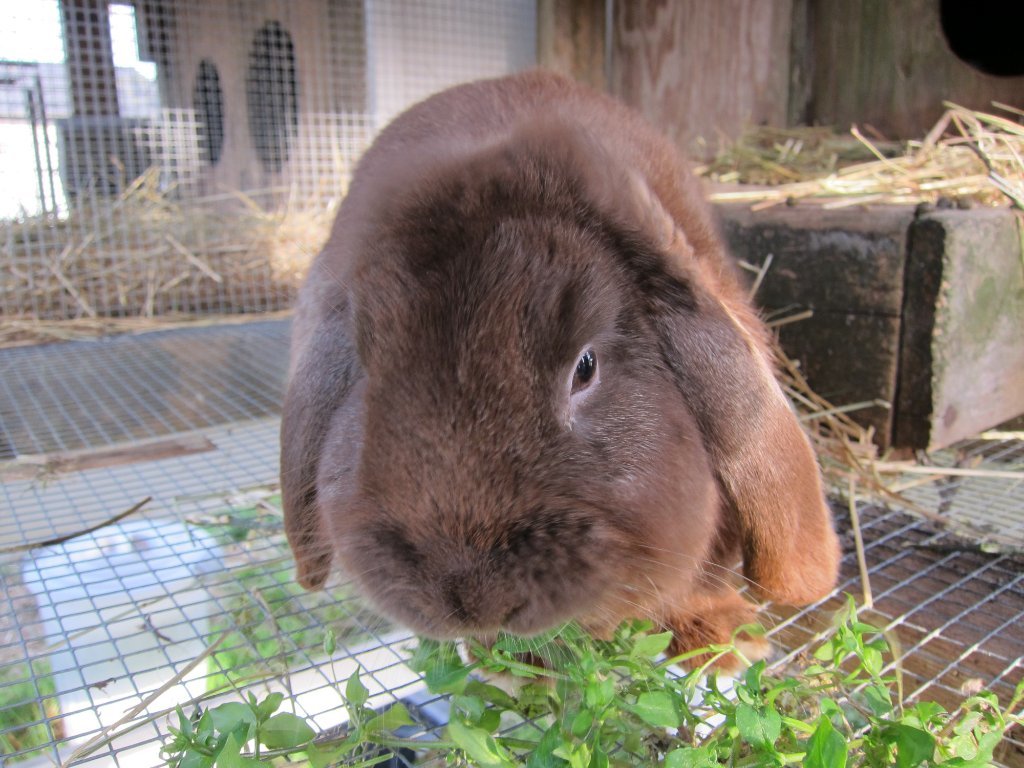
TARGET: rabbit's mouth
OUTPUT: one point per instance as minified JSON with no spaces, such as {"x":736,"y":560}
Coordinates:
{"x":464,"y":609}
{"x":449,"y":597}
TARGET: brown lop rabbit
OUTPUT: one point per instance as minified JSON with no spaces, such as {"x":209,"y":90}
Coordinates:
{"x":527,"y":387}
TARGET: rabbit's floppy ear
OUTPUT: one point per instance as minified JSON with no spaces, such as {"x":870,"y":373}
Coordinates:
{"x":763,"y":460}
{"x":324,"y":373}
{"x":718,"y":355}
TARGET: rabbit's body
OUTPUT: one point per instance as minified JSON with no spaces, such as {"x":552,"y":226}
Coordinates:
{"x":526,"y":386}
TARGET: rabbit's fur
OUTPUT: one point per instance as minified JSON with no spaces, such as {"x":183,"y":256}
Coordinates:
{"x":434,"y":442}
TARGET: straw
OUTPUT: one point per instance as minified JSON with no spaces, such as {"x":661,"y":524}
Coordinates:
{"x":969,"y":156}
{"x":148,"y":255}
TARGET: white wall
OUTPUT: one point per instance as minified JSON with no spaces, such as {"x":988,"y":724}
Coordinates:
{"x":19,"y":185}
{"x":418,"y":47}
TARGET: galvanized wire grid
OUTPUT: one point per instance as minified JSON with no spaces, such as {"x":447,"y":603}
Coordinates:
{"x":109,"y":617}
{"x":184,"y":156}
{"x":104,"y":393}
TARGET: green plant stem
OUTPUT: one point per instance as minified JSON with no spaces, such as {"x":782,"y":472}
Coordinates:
{"x":528,"y":670}
{"x":798,"y":725}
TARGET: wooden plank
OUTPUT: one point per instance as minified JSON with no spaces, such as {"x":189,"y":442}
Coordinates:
{"x":887,"y":64}
{"x":849,"y":358}
{"x":571,"y":39}
{"x":847,"y":267}
{"x":962,"y":357}
{"x":846,"y":260}
{"x":695,"y":68}
{"x":31,"y":467}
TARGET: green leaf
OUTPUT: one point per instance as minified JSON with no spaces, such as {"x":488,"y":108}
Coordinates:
{"x":577,"y":755}
{"x":478,"y":745}
{"x":913,"y":746}
{"x":581,"y":723}
{"x":426,"y":653}
{"x":752,"y":677}
{"x":599,"y":693}
{"x":690,"y":757}
{"x":192,"y":759}
{"x":829,"y":707}
{"x":395,"y":717}
{"x":929,"y":712}
{"x":204,"y":727}
{"x":650,"y":646}
{"x":758,"y":727}
{"x":323,"y":756}
{"x":987,"y":744}
{"x":542,"y":755}
{"x":356,"y":693}
{"x":471,"y":706}
{"x":489,"y":693}
{"x":184,"y":724}
{"x":971,"y":754}
{"x":599,"y":759}
{"x":516,"y":645}
{"x":268,"y":706}
{"x":227,"y":718}
{"x":862,"y":628}
{"x":490,"y":720}
{"x":878,"y":699}
{"x":230,"y":757}
{"x":824,"y":652}
{"x":448,"y":676}
{"x":656,"y":708}
{"x":330,"y":642}
{"x":744,"y":694}
{"x":284,"y":731}
{"x":789,"y":684}
{"x":826,"y":748}
{"x":872,"y":660}
{"x":632,"y":741}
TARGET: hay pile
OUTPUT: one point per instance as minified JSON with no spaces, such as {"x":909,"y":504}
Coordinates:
{"x":120,"y":264}
{"x":968,"y":156}
{"x":152,"y":257}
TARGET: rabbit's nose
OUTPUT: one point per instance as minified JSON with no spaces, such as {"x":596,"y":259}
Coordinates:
{"x":453,"y":590}
{"x":471,"y":602}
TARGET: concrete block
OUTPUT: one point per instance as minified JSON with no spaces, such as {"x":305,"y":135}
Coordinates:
{"x":847,"y":267}
{"x":962,"y":364}
{"x":922,"y":310}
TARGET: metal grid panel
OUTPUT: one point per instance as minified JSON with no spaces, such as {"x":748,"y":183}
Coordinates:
{"x":183,"y":156}
{"x":959,"y":498}
{"x":94,"y":394}
{"x":117,"y":612}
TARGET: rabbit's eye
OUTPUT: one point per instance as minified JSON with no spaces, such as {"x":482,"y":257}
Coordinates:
{"x":586,"y":367}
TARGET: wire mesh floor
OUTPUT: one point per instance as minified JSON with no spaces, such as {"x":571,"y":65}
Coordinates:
{"x":109,"y":628}
{"x":64,"y":397}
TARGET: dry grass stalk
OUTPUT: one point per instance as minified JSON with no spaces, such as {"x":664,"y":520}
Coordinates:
{"x":968,"y":155}
{"x":858,"y":541}
{"x":850,"y":461}
{"x":110,"y":732}
{"x":148,"y":254}
{"x":771,"y":156}
{"x":904,"y":467}
{"x":16,"y":333}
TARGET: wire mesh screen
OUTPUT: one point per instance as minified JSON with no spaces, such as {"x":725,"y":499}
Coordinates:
{"x":184,"y":156}
{"x":107,"y":621}
{"x":160,"y":157}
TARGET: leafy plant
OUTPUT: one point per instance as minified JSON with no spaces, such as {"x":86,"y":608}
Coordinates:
{"x":585,"y":703}
{"x":271,"y":617}
{"x":269,"y":620}
{"x":219,"y":734}
{"x":27,"y":702}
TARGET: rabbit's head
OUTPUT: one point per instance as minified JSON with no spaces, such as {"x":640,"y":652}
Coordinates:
{"x":526,"y":390}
